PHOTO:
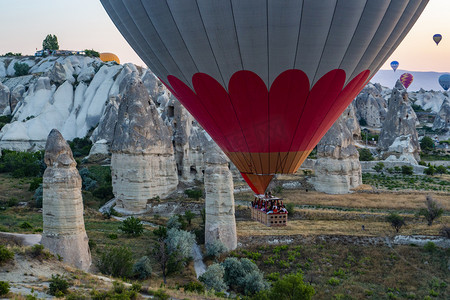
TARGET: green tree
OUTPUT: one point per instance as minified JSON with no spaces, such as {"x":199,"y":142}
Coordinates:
{"x":441,"y":170}
{"x":426,"y":144}
{"x":433,"y":211}
{"x":132,"y":225}
{"x":379,"y":167}
{"x":91,"y":53}
{"x":291,"y":286}
{"x":407,"y":170}
{"x":50,"y":42}
{"x":396,"y":221}
{"x":431,"y":170}
{"x":58,"y":286}
{"x":21,"y":69}
{"x":365,"y":155}
{"x":188,"y":215}
{"x":116,"y":261}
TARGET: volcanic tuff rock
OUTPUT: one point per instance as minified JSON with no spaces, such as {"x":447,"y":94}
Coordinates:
{"x":442,"y":120}
{"x":398,"y":138}
{"x":219,"y":201}
{"x":142,"y":162}
{"x":63,"y":230}
{"x":337,"y":168}
{"x":4,"y":99}
{"x":370,"y":105}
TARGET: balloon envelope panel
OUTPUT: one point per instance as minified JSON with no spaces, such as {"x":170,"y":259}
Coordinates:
{"x":266,"y":79}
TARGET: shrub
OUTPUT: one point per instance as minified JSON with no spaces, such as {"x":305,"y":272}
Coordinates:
{"x":103,"y":192}
{"x":333,"y":281}
{"x":379,"y":167}
{"x":433,"y":211}
{"x":430,"y":247}
{"x":118,"y":291}
{"x":407,"y":170}
{"x":21,"y":69}
{"x":25,"y":225}
{"x":116,"y":261}
{"x":80,"y":146}
{"x":5,"y":254}
{"x":92,"y":53}
{"x":362,"y":122}
{"x":431,"y":170}
{"x":142,"y":269}
{"x":58,"y":285}
{"x":213,"y":278}
{"x":243,"y":275}
{"x":396,"y":221}
{"x":132,"y":226}
{"x":36,"y":251}
{"x":160,"y":295}
{"x":292,"y":287}
{"x":194,"y":286}
{"x":290,"y":208}
{"x":174,"y":222}
{"x":194,"y":193}
{"x":365,"y":155}
{"x":38,"y":196}
{"x":215,"y":248}
{"x":35,"y":183}
{"x":441,"y":170}
{"x":4,"y":288}
{"x":21,"y":164}
{"x":180,"y":241}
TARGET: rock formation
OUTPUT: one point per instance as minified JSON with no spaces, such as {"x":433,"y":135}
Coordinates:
{"x":4,"y":100}
{"x":442,"y":120}
{"x":63,"y":230}
{"x":337,"y":169}
{"x":219,"y":201}
{"x":370,"y":105}
{"x":142,"y":162}
{"x":398,"y":139}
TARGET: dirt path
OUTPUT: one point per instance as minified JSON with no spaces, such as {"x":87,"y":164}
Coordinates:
{"x":23,"y":239}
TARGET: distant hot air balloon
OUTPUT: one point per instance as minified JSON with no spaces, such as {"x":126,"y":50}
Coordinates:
{"x":444,"y":81}
{"x":109,"y":57}
{"x":437,"y":38}
{"x":394,"y":65}
{"x":265,"y":79}
{"x":406,"y":79}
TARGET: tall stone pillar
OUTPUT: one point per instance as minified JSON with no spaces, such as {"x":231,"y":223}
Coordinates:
{"x":142,"y":162}
{"x":63,"y":231}
{"x":220,"y":220}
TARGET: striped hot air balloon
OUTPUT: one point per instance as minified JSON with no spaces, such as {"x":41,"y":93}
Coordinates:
{"x":266,"y":79}
{"x":406,"y":79}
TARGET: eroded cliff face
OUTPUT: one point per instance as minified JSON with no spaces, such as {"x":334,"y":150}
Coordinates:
{"x":398,"y":139}
{"x":219,"y":201}
{"x":142,"y":163}
{"x":63,"y":229}
{"x":442,"y":120}
{"x":337,"y":169}
{"x":371,"y":106}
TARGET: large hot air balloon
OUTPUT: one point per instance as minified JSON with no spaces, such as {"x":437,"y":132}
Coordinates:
{"x":406,"y":79}
{"x":394,"y":65}
{"x":437,"y":38}
{"x":106,"y":56}
{"x":266,"y":79}
{"x":444,"y":81}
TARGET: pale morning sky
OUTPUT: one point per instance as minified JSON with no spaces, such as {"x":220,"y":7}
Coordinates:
{"x":84,"y":24}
